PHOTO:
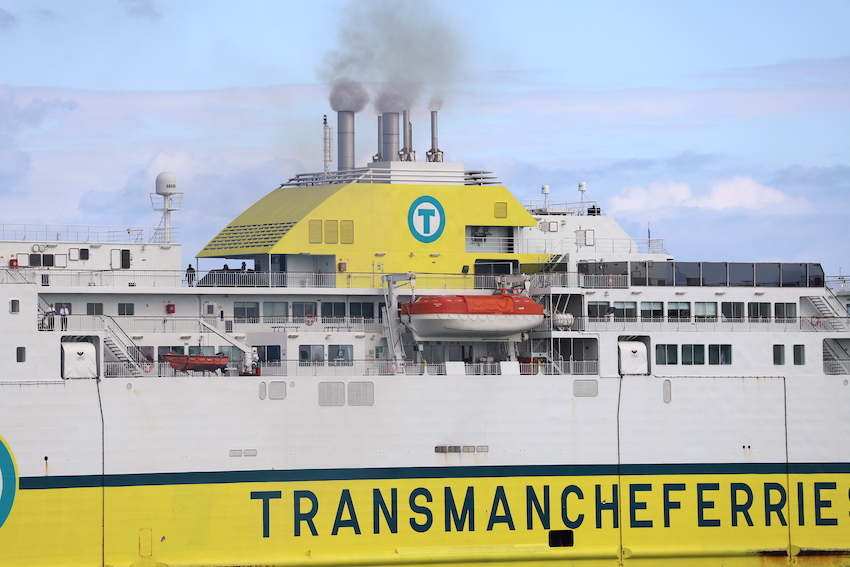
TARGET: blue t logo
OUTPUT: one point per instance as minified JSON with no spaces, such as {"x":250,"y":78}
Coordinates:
{"x":8,"y":481}
{"x":426,"y":219}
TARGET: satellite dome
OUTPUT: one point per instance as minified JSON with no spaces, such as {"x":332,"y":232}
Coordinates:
{"x":166,"y":184}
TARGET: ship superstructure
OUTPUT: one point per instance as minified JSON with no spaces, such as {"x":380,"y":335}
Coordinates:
{"x":420,"y":369}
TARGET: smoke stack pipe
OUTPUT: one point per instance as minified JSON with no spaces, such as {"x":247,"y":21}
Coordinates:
{"x":434,"y":154}
{"x":389,"y":148}
{"x":407,"y":150}
{"x":378,"y":157}
{"x":345,"y":143}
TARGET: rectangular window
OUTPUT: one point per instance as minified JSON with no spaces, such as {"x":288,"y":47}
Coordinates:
{"x":758,"y":312}
{"x":167,"y":349}
{"x":275,"y":311}
{"x":625,"y":310}
{"x":341,"y":355}
{"x":705,"y":311}
{"x":303,"y":309}
{"x":47,"y":260}
{"x":650,"y":310}
{"x":14,"y":306}
{"x":126,"y":308}
{"x":778,"y":355}
{"x":597,"y":309}
{"x":693,"y":354}
{"x":365,"y":310}
{"x":679,"y":311}
{"x":799,"y":355}
{"x":233,"y":353}
{"x":22,"y":354}
{"x":785,"y":312}
{"x":147,"y":352}
{"x":333,"y":309}
{"x":94,"y":308}
{"x":246,"y":311}
{"x":84,"y":253}
{"x":720,"y":354}
{"x":665,"y":354}
{"x":732,"y":311}
{"x":311,"y":355}
{"x":269,"y":353}
{"x":206,"y":350}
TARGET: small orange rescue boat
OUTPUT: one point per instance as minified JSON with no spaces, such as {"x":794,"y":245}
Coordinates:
{"x":478,"y":317}
{"x":202,"y":362}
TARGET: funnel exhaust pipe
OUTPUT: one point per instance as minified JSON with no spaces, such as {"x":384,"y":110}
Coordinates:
{"x":345,"y":143}
{"x":407,"y":153}
{"x":389,"y":136}
{"x":378,"y":157}
{"x":434,"y":154}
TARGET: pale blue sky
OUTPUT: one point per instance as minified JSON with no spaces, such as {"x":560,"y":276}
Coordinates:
{"x":724,"y":124}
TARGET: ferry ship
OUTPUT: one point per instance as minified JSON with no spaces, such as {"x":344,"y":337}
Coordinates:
{"x":401,"y":364}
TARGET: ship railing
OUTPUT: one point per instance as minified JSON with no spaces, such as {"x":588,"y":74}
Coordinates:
{"x":138,"y":324}
{"x":47,"y":233}
{"x":560,"y":245}
{"x":565,"y":367}
{"x":602,"y":281}
{"x":61,"y":277}
{"x":348,"y":369}
{"x":696,"y":323}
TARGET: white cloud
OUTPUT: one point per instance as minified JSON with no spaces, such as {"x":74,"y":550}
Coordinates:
{"x":660,"y":196}
{"x":666,"y":199}
{"x":744,"y":192}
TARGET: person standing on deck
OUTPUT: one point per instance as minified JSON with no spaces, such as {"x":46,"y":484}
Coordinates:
{"x":63,"y":313}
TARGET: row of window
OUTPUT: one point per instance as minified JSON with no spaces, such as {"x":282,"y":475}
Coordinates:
{"x":272,"y":310}
{"x":693,"y":354}
{"x":51,"y":260}
{"x":716,"y":274}
{"x":280,"y":309}
{"x":779,"y":355}
{"x":717,"y":354}
{"x":336,"y":354}
{"x":702,"y":310}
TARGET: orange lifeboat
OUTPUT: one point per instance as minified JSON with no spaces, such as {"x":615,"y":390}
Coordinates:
{"x":207,"y":363}
{"x":503,"y":315}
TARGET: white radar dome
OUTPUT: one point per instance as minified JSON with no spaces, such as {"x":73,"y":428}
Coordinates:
{"x":166,"y":184}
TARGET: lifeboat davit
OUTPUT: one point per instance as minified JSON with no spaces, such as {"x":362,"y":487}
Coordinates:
{"x":502,"y":315}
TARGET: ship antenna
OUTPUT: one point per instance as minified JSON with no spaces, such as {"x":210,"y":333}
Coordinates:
{"x":582,"y":187}
{"x":166,"y":187}
{"x":328,"y":145}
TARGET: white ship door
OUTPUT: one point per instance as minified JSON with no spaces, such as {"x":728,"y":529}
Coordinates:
{"x":633,"y":359}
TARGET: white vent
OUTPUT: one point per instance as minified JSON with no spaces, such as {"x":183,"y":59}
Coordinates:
{"x":331,"y":393}
{"x":277,"y":390}
{"x":585,"y":388}
{"x":262,"y":390}
{"x":361,"y":393}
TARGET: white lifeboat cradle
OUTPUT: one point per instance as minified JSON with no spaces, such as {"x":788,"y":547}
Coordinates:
{"x":504,"y":316}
